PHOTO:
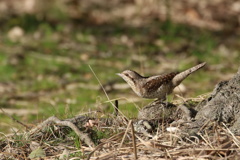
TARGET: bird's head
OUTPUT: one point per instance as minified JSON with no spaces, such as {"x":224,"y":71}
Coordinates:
{"x":131,"y":77}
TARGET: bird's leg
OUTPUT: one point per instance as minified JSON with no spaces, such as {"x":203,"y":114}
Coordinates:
{"x":162,"y":100}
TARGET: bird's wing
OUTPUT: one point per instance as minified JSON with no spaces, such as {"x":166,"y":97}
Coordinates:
{"x":155,"y":82}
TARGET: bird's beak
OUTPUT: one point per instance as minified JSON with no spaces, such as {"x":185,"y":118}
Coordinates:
{"x":119,"y":74}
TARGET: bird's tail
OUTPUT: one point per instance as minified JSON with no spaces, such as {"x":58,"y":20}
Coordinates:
{"x":182,"y":75}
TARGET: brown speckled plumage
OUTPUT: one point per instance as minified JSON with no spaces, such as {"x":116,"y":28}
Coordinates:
{"x":156,"y":86}
{"x":155,"y":83}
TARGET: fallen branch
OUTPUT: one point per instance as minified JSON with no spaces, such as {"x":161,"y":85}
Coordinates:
{"x":83,"y":136}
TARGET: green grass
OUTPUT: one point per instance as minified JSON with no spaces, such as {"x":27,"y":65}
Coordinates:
{"x":57,"y":58}
{"x":6,"y":71}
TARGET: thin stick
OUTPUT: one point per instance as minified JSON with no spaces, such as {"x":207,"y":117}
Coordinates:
{"x":235,"y":140}
{"x":105,"y":92}
{"x":134,"y":141}
{"x":101,"y":144}
{"x":83,"y":136}
{"x":125,"y":134}
{"x":124,"y":98}
{"x":116,"y":109}
{"x":15,"y":120}
{"x":168,"y":154}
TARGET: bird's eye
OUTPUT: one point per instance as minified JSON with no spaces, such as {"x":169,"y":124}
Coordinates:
{"x":126,"y":74}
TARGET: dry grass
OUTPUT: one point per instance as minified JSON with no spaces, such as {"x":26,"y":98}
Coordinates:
{"x":107,"y":136}
{"x":121,"y":141}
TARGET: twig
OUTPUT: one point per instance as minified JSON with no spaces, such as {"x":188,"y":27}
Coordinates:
{"x":109,"y":155}
{"x":235,"y":140}
{"x":100,"y":145}
{"x":129,"y":123}
{"x":134,"y":141}
{"x":167,"y":153}
{"x":83,"y":136}
{"x":106,"y":92}
{"x":14,"y":119}
{"x":116,"y":108}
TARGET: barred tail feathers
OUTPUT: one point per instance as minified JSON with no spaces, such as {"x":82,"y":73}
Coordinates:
{"x":182,"y":75}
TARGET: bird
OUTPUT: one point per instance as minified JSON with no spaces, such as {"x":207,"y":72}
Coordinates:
{"x":157,"y":86}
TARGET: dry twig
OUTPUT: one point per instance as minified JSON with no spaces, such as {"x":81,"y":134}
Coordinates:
{"x":14,"y":119}
{"x":83,"y":136}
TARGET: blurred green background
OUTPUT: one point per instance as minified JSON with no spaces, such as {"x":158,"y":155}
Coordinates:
{"x":46,"y":48}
